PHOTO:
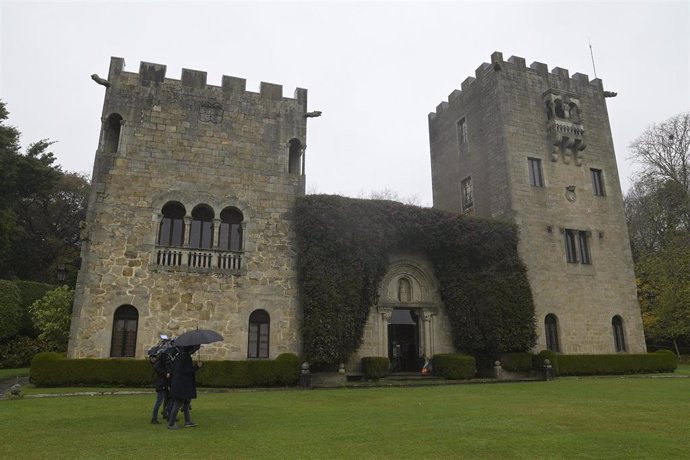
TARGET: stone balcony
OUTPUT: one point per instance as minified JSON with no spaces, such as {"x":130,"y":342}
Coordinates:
{"x":198,"y":260}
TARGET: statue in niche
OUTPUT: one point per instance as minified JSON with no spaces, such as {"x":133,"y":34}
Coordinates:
{"x":404,"y":290}
{"x":574,"y":113}
{"x":560,"y":113}
{"x":549,"y":110}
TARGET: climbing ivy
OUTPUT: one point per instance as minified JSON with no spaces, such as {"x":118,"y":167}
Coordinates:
{"x":343,"y":246}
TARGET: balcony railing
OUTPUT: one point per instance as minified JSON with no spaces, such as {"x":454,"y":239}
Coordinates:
{"x":198,"y":260}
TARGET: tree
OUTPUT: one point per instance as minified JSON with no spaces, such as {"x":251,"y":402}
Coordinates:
{"x":10,"y":310}
{"x":40,"y":209}
{"x":658,"y":216}
{"x":51,"y":314}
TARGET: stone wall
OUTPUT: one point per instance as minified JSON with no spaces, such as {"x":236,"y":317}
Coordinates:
{"x":508,"y":121}
{"x":195,"y":144}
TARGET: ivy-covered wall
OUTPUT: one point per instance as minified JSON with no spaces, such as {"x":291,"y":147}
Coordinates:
{"x":343,"y":245}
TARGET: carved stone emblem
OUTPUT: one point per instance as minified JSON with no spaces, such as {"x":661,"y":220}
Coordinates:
{"x":211,"y":113}
{"x":570,"y":193}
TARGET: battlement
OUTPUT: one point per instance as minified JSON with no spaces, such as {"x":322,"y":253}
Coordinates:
{"x":558,"y":78}
{"x":151,"y":74}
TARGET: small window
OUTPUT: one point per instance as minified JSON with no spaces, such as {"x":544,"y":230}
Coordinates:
{"x":230,"y":230}
{"x":467,"y":195}
{"x":171,"y":228}
{"x":259,"y":330}
{"x":551,"y":333}
{"x":201,"y":231}
{"x":577,"y":247}
{"x":111,"y":138}
{"x":295,"y":157}
{"x":598,"y":182}
{"x":618,"y":333}
{"x":124,"y":340}
{"x":535,"y":176}
{"x":462,"y":133}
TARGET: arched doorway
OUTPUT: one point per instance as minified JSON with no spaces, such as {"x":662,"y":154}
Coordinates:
{"x":403,"y":340}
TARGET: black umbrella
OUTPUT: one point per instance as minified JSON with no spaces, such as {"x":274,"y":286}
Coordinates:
{"x":197,"y":337}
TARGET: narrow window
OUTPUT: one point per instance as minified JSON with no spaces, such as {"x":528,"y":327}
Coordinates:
{"x":259,"y":329}
{"x":201,"y":231}
{"x":111,"y":139}
{"x":598,"y":182}
{"x":231,"y":230}
{"x":583,"y":246}
{"x":295,"y":157}
{"x":551,"y":333}
{"x":171,"y":228}
{"x":618,"y":334}
{"x":535,"y":176}
{"x":571,"y":246}
{"x":467,"y":195}
{"x":461,"y":127}
{"x":124,"y":339}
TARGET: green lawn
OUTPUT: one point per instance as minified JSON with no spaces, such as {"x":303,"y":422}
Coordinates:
{"x":6,"y":374}
{"x":608,"y":417}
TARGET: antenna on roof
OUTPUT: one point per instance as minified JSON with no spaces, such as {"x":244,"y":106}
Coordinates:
{"x":592,"y":54}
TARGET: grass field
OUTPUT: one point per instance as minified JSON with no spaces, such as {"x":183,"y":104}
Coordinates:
{"x":609,"y":417}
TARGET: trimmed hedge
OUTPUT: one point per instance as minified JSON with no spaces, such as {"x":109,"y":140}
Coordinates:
{"x":53,"y":369}
{"x":30,"y":292}
{"x":454,"y":366}
{"x":10,"y":310}
{"x":19,"y":351}
{"x":615,"y":364}
{"x":375,"y":367}
{"x":516,"y":362}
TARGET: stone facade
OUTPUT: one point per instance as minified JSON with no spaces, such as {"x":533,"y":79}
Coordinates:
{"x":534,"y":147}
{"x":205,"y":152}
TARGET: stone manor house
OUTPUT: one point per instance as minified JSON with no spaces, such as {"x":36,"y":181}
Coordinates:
{"x":190,"y":220}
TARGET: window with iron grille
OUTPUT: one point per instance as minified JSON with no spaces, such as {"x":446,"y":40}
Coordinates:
{"x":461,"y":127}
{"x":124,"y":339}
{"x":467,"y":194}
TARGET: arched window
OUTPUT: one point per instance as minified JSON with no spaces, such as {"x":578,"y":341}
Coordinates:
{"x":295,"y":157}
{"x":111,"y":139}
{"x":201,"y":232}
{"x":259,"y":328}
{"x":618,"y":333}
{"x":230,"y":230}
{"x":171,"y":228}
{"x":124,"y":340}
{"x":551,"y":333}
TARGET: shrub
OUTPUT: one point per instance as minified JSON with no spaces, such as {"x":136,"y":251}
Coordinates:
{"x":613,"y":364}
{"x":19,"y":351}
{"x":454,"y":366}
{"x":516,"y":362}
{"x":10,"y":311}
{"x":375,"y":367}
{"x":51,"y":314}
{"x":30,"y":292}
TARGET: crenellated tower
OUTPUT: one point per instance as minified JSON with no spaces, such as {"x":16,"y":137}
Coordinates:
{"x":190,"y":218}
{"x":534,"y":147}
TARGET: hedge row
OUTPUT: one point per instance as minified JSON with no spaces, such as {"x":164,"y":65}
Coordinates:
{"x":375,"y":367}
{"x":10,"y":309}
{"x":454,"y":366}
{"x":53,"y":369}
{"x":615,"y":364}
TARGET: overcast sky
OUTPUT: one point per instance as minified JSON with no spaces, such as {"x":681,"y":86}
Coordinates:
{"x":375,"y":69}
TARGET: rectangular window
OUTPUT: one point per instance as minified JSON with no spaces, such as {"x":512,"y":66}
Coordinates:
{"x":535,"y":177}
{"x":462,"y":133}
{"x":598,"y":182}
{"x":467,"y":194}
{"x":577,"y":247}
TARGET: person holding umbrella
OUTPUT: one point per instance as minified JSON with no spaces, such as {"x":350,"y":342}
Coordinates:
{"x":183,"y":375}
{"x":183,"y":386}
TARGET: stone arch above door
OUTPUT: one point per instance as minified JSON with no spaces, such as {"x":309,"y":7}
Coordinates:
{"x":409,"y":281}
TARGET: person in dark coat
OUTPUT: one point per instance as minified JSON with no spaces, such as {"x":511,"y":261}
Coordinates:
{"x":161,"y":382}
{"x":182,"y":386}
